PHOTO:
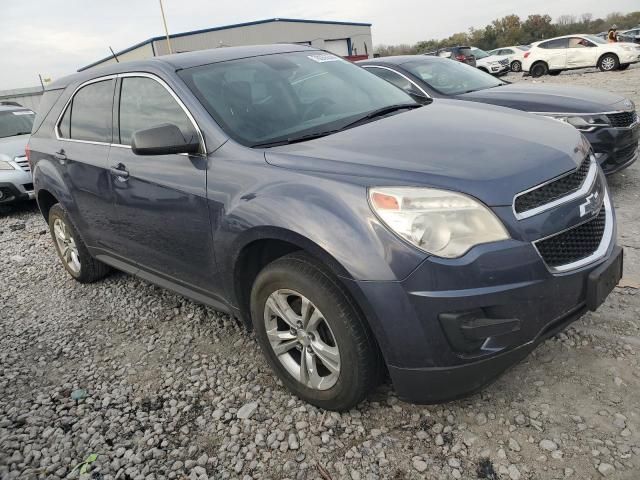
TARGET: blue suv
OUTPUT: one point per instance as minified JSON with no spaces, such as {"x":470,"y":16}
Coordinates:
{"x":359,"y":233}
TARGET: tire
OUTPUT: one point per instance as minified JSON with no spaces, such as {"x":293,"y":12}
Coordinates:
{"x":71,"y":250}
{"x":516,"y":66}
{"x":539,"y":69}
{"x":624,"y":66}
{"x":555,"y":73}
{"x":278,"y":293}
{"x":608,"y":62}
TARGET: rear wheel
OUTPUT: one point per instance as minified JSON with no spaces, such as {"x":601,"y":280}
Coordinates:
{"x":71,"y":249}
{"x":539,"y":69}
{"x":312,"y":335}
{"x":516,"y":66}
{"x":608,"y":62}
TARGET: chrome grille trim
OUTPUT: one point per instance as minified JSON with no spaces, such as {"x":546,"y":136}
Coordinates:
{"x":581,"y":192}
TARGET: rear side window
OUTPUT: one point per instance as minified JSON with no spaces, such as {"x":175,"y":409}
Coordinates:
{"x":555,"y":44}
{"x":89,"y":115}
{"x":144,"y":103}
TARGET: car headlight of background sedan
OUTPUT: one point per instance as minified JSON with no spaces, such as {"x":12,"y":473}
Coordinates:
{"x":583,"y":122}
{"x":4,"y":165}
{"x":440,"y":222}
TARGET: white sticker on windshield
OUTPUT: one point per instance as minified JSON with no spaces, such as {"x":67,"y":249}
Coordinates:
{"x":324,"y":57}
{"x":22,"y":112}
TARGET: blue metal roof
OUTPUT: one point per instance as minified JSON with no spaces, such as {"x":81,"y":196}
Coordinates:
{"x":225,"y":27}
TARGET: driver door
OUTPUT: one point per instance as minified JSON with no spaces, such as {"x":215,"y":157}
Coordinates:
{"x":160,"y":200}
{"x":581,"y":53}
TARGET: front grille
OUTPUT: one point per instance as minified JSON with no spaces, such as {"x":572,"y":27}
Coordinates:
{"x":551,"y":191}
{"x":23,"y":163}
{"x":627,"y":153}
{"x":622,"y":119}
{"x":504,"y":61}
{"x":574,"y":244}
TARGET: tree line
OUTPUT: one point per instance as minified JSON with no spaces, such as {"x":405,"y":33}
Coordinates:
{"x":512,"y":30}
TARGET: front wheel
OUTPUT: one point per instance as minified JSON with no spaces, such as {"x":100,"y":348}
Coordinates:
{"x":516,"y":66}
{"x":71,"y":249}
{"x":312,"y":335}
{"x":539,"y":69}
{"x":608,"y":63}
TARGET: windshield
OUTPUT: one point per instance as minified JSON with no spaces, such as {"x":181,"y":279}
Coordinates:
{"x":262,"y":99}
{"x":594,"y":39}
{"x":476,"y":52}
{"x":451,"y":78}
{"x":16,"y":122}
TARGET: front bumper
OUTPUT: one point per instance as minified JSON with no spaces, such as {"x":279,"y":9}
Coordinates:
{"x":615,"y":148}
{"x":501,"y":297}
{"x":15,"y":186}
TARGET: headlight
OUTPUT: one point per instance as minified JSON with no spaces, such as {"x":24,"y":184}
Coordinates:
{"x":5,"y":165}
{"x":442,"y":223}
{"x":583,"y":122}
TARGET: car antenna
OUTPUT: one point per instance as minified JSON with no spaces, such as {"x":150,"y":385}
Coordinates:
{"x":114,"y":54}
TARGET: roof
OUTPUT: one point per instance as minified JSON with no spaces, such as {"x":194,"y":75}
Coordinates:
{"x":225,"y":27}
{"x":400,"y":59}
{"x":180,"y":61}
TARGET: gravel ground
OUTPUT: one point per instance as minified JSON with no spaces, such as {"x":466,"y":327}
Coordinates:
{"x":157,"y":386}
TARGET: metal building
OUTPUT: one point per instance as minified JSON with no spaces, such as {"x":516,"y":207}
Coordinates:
{"x":347,"y":39}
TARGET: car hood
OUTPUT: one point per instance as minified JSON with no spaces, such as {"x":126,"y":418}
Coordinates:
{"x":11,"y":147}
{"x":548,"y":98}
{"x":485,"y":151}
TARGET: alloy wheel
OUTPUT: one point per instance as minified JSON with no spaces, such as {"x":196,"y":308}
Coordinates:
{"x":66,"y":245}
{"x":608,"y":63}
{"x":302,"y":339}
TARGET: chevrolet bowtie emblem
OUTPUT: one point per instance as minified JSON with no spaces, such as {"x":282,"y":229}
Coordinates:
{"x":589,"y":205}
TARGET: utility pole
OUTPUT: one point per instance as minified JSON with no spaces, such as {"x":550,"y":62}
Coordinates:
{"x":166,"y":30}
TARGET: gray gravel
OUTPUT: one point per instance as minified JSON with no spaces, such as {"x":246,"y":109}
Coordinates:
{"x":159,"y":387}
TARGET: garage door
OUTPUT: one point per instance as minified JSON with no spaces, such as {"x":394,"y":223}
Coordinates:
{"x":339,"y":47}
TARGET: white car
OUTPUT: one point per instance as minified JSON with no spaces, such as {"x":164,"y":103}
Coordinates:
{"x":493,"y":64}
{"x":515,"y":54}
{"x":16,"y":183}
{"x":578,"y":51}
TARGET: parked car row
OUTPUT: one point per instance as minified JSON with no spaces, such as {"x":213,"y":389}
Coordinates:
{"x":607,"y":120}
{"x":358,"y":231}
{"x":570,"y":52}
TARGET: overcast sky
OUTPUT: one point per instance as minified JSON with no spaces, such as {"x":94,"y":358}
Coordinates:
{"x":55,"y":38}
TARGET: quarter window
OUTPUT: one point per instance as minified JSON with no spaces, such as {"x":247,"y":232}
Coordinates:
{"x":145,"y":103}
{"x":89,"y":115}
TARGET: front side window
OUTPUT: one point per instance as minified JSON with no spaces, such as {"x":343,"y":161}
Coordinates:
{"x":145,"y":103}
{"x":263,"y":99}
{"x":16,"y":122}
{"x":396,"y":79}
{"x":577,"y":42}
{"x":89,"y":115}
{"x":451,"y":78}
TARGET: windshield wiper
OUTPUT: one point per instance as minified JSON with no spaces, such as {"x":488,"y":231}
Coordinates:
{"x":290,"y":140}
{"x":381,"y":112}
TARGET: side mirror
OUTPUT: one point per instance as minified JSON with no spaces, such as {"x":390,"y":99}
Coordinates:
{"x":166,"y":139}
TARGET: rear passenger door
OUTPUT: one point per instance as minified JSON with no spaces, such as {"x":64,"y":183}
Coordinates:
{"x":555,"y":53}
{"x":160,"y":199}
{"x":84,"y":134}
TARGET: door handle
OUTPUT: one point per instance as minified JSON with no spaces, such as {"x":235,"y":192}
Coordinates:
{"x":60,"y":155}
{"x":120,"y":171}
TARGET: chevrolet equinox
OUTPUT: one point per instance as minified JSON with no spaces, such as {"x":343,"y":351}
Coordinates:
{"x":359,"y":233}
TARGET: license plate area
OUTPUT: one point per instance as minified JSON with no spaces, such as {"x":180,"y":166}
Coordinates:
{"x":604,"y":279}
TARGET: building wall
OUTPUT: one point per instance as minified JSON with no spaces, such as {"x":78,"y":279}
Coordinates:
{"x":27,"y":97}
{"x":273,"y":32}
